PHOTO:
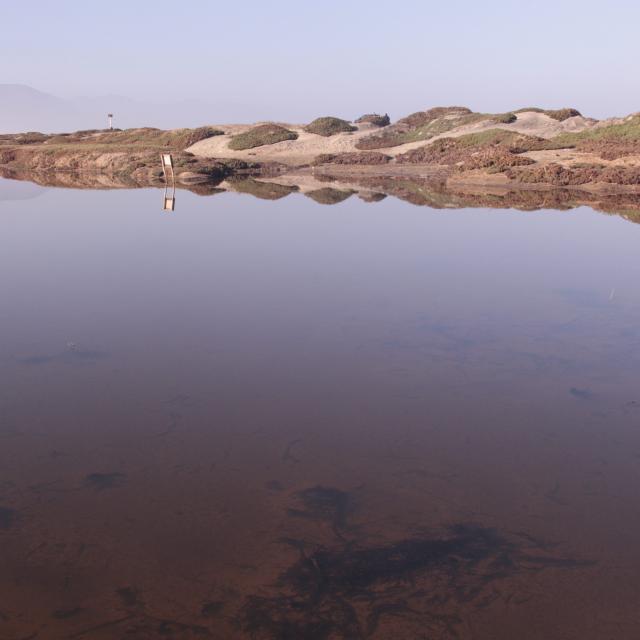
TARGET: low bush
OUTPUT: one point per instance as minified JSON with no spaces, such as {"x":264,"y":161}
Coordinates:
{"x":353,"y":158}
{"x":374,"y":119}
{"x":557,"y":114}
{"x":505,"y":118}
{"x":260,"y":136}
{"x":31,"y":137}
{"x":329,"y":126}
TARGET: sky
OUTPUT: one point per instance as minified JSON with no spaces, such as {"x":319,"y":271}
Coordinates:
{"x":293,"y":60}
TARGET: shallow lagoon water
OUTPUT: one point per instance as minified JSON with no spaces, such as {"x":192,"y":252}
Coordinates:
{"x":256,"y":419}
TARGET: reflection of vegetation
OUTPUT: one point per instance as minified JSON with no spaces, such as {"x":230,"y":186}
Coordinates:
{"x":263,"y":190}
{"x":205,"y":188}
{"x":434,"y":194}
{"x":87,"y":180}
{"x":345,"y":589}
{"x":372,"y":196}
{"x":260,"y":136}
{"x":430,"y":192}
{"x":327,"y":195}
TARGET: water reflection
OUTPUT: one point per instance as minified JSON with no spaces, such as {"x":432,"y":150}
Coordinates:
{"x":334,"y":189}
{"x":169,"y":199}
{"x":265,"y":418}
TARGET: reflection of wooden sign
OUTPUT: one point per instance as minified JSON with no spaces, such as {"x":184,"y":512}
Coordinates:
{"x":169,"y":203}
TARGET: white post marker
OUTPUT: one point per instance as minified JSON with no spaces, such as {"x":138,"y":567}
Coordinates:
{"x":110,"y":121}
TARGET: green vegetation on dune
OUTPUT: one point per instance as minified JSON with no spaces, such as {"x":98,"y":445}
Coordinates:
{"x":504,"y":118}
{"x":329,"y":126}
{"x":260,"y":136}
{"x":557,"y":114}
{"x":374,"y":119}
{"x":421,"y":118}
{"x":482,"y":138}
{"x":176,"y":139}
{"x":352,"y":158}
{"x":494,"y":150}
{"x":420,"y":126}
{"x":609,"y":142}
{"x":145,"y":137}
{"x":625,"y":131}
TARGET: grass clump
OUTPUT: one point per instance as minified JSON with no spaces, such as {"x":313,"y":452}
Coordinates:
{"x":329,"y":126}
{"x":260,"y":136}
{"x":375,"y":119}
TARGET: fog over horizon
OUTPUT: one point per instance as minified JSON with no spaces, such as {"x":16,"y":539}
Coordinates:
{"x":160,"y":64}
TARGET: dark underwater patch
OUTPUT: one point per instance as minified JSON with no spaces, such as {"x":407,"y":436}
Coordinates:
{"x":104,"y":481}
{"x":7,"y":517}
{"x":350,"y":591}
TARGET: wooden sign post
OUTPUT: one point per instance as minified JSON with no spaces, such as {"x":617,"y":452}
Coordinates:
{"x":169,"y":202}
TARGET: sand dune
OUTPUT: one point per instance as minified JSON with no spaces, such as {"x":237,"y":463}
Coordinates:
{"x":308,"y":145}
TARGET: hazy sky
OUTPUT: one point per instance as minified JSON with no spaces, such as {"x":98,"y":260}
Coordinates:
{"x":294,"y":60}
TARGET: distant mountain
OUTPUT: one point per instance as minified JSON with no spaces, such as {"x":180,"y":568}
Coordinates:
{"x":23,"y":108}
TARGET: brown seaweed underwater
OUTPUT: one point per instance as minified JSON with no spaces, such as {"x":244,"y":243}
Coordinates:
{"x":350,"y":590}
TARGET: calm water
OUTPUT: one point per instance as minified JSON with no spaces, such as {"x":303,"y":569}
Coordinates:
{"x":281,"y":420}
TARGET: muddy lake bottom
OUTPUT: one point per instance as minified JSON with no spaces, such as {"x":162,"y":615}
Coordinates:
{"x":285,"y":421}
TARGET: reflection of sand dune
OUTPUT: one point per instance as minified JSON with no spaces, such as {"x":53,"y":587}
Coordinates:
{"x":434,"y":192}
